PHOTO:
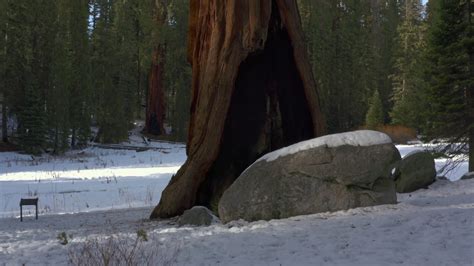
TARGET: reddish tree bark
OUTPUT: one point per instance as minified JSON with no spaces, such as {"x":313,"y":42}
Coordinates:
{"x":155,"y":108}
{"x":253,"y":91}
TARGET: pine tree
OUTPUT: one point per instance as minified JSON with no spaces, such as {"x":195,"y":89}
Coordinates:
{"x":66,"y":98}
{"x":57,"y":51}
{"x":386,"y":46}
{"x":3,"y":89}
{"x":26,"y":74}
{"x":145,"y":29}
{"x":57,"y":98}
{"x":109,"y":112}
{"x":178,"y":70}
{"x":451,"y":75}
{"x":80,"y":83}
{"x":125,"y":27}
{"x":332,"y":39}
{"x":32,"y":128}
{"x":408,"y":80}
{"x":351,"y":47}
{"x":41,"y":39}
{"x":17,"y":54}
{"x":375,"y":114}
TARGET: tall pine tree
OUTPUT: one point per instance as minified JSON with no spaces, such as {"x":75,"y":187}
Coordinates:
{"x":351,"y":44}
{"x":408,"y":80}
{"x":375,"y":114}
{"x":57,"y":97}
{"x":32,"y":118}
{"x":80,"y":83}
{"x":109,"y":98}
{"x":178,"y":70}
{"x":450,"y":72}
{"x":27,"y":62}
{"x":3,"y":89}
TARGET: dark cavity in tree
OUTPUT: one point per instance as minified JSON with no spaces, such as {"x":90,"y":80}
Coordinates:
{"x":268,"y":111}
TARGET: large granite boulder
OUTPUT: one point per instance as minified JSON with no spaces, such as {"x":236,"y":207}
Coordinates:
{"x":416,"y":170}
{"x":330,"y":173}
{"x":198,"y":216}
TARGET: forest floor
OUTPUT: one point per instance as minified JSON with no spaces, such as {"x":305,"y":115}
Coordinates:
{"x":98,"y":199}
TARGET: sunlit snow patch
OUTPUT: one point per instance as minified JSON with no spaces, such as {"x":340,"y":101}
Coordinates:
{"x":88,"y":173}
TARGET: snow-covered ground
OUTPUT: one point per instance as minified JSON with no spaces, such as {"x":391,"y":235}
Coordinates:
{"x":428,"y":227}
{"x":96,"y":193}
{"x":88,"y":180}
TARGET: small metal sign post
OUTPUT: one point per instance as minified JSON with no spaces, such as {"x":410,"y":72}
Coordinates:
{"x":29,"y":201}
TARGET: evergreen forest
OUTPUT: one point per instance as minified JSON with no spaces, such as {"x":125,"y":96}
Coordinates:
{"x":72,"y":71}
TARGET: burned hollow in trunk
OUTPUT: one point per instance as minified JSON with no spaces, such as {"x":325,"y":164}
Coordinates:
{"x":268,"y":111}
{"x":253,"y":92}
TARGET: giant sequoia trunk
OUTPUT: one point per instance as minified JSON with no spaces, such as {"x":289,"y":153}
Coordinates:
{"x":253,"y":92}
{"x":155,"y":107}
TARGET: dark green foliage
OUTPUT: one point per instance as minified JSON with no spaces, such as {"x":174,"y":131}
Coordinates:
{"x":351,"y":46}
{"x":3,"y":42}
{"x":44,"y":72}
{"x":121,"y":48}
{"x":28,"y":58}
{"x":177,"y":69}
{"x":67,"y":65}
{"x":31,"y":129}
{"x":408,"y":80}
{"x":67,"y":97}
{"x":142,"y":235}
{"x":17,"y":53}
{"x":448,"y":69}
{"x":109,"y":99}
{"x":57,"y":95}
{"x":64,"y":238}
{"x":32,"y":118}
{"x":375,"y":114}
{"x":80,"y":88}
{"x":450,"y":51}
{"x":127,"y":29}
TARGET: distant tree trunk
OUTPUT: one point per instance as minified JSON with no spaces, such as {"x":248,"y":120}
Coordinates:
{"x":73,"y":138}
{"x":253,"y":91}
{"x":470,"y":93}
{"x":155,"y":112}
{"x":4,"y":120}
{"x":155,"y":107}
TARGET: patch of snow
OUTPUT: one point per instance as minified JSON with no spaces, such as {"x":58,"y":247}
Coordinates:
{"x":428,"y":227}
{"x":85,"y":174}
{"x":414,"y":152}
{"x":355,"y":138}
{"x":87,"y":180}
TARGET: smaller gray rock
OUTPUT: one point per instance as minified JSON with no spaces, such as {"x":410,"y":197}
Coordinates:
{"x":198,"y":216}
{"x":415,"y":171}
{"x":442,"y":177}
{"x":468,"y":175}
